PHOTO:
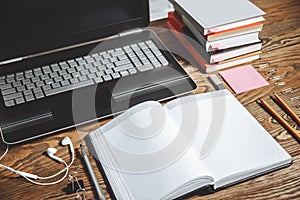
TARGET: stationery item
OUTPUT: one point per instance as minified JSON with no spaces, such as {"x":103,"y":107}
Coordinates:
{"x":276,"y":78}
{"x":271,"y":72}
{"x":215,"y":15}
{"x":280,"y":83}
{"x":75,"y":185}
{"x":162,"y":152}
{"x":292,"y":131}
{"x":295,"y":98}
{"x":223,"y":43}
{"x":244,"y":78}
{"x":287,"y":91}
{"x":186,"y":38}
{"x":286,"y":107}
{"x":92,"y":174}
{"x":216,"y":82}
{"x":262,"y":66}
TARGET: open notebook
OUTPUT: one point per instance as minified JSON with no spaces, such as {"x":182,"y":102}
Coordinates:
{"x":162,"y":152}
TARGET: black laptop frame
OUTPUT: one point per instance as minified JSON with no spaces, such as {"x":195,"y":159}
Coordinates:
{"x":55,"y":113}
{"x":15,"y":50}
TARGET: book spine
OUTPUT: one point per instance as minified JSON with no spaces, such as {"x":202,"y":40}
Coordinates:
{"x":200,"y":62}
{"x":181,"y":11}
{"x":196,"y":33}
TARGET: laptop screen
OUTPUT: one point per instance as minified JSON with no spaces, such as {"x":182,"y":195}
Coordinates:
{"x":33,"y":26}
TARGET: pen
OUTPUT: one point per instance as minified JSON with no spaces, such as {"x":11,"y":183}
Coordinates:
{"x":282,"y":121}
{"x":92,"y":174}
{"x":287,"y":109}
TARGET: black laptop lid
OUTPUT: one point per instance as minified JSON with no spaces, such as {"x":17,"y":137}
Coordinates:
{"x":34,"y":26}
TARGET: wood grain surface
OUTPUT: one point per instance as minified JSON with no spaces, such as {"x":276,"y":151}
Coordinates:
{"x":281,"y":48}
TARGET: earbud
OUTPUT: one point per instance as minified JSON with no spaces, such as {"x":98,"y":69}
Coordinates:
{"x":67,"y":141}
{"x":51,"y":152}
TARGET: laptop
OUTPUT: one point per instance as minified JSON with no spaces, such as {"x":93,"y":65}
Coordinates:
{"x":66,"y":63}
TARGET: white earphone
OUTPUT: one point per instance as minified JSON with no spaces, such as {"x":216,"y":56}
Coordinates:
{"x":51,"y":153}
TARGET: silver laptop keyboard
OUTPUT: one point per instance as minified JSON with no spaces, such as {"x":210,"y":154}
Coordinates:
{"x":40,"y":82}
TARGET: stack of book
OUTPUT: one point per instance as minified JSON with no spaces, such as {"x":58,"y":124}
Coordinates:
{"x":224,"y":33}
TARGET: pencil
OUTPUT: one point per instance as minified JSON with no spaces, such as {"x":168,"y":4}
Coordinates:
{"x":287,"y":109}
{"x":280,"y":119}
{"x":92,"y":174}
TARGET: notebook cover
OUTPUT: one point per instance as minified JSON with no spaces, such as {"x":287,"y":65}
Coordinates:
{"x":214,"y":13}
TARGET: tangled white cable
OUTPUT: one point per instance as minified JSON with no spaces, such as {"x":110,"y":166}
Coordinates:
{"x":51,"y":153}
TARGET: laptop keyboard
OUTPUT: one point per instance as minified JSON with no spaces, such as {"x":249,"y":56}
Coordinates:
{"x":40,"y":82}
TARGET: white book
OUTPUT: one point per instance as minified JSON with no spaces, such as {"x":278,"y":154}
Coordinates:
{"x":224,"y":43}
{"x":209,"y":68}
{"x":162,"y":152}
{"x":222,"y":55}
{"x":219,"y":15}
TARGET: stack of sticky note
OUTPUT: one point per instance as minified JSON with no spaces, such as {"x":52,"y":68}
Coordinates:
{"x":227,"y":31}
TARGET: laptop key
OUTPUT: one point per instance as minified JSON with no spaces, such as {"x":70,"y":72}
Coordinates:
{"x":6,"y":86}
{"x":124,"y":73}
{"x":27,"y":92}
{"x":132,"y":71}
{"x":98,"y":80}
{"x":107,"y":77}
{"x":2,"y":81}
{"x":8,"y":91}
{"x":20,"y":100}
{"x":30,"y":86}
{"x":37,"y":90}
{"x":156,"y":64}
{"x":26,"y":81}
{"x":28,"y":75}
{"x":12,"y":96}
{"x":68,"y":87}
{"x":145,"y":67}
{"x":91,"y":76}
{"x":65,"y":82}
{"x":10,"y":79}
{"x":55,"y":85}
{"x":74,"y":80}
{"x":17,"y":83}
{"x":163,"y":60}
{"x":116,"y":75}
{"x":39,"y":95}
{"x":83,"y":78}
{"x":40,"y":83}
{"x":100,"y":73}
{"x":29,"y":98}
{"x":21,"y":88}
{"x":109,"y":71}
{"x":123,"y":67}
{"x":45,"y":77}
{"x":9,"y":103}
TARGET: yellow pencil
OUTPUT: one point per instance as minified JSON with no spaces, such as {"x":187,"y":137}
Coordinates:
{"x":280,"y":119}
{"x":287,"y":109}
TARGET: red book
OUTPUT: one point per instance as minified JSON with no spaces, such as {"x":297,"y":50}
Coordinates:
{"x":187,"y":39}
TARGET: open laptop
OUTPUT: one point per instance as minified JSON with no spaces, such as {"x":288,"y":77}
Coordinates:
{"x":65,"y":63}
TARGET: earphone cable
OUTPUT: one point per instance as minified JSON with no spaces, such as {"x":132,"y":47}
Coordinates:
{"x":51,"y":183}
{"x":4,"y":154}
{"x":54,"y":175}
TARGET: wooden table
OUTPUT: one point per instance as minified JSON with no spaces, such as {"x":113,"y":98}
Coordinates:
{"x":281,"y":48}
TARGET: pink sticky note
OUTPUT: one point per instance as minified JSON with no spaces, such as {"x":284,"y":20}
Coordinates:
{"x":242,"y":79}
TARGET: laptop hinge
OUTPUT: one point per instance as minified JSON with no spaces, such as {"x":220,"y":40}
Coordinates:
{"x":131,"y":31}
{"x":11,"y":61}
